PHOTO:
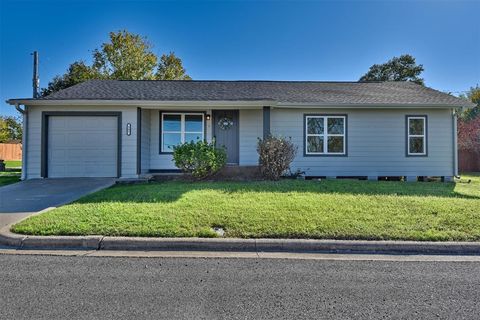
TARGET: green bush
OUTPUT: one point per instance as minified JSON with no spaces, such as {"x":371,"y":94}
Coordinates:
{"x":201,"y":159}
{"x":275,"y":156}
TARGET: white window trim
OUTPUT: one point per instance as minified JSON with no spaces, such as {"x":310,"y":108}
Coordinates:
{"x":182,"y":127}
{"x":325,"y":135}
{"x":424,"y":136}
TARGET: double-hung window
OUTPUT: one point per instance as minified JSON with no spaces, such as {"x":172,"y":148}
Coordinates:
{"x":416,"y":135}
{"x":178,"y":128}
{"x":325,"y":135}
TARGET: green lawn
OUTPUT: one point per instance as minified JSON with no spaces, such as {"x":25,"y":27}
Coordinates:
{"x":341,"y":209}
{"x":13,"y":173}
{"x":8,"y":177}
{"x":13,"y":164}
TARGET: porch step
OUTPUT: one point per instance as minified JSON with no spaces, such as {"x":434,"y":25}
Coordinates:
{"x":164,"y":176}
{"x":132,"y":180}
{"x":238,"y":173}
{"x":229,"y":172}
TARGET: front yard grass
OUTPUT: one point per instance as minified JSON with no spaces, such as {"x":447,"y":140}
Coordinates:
{"x":13,"y":164}
{"x":12,"y":174}
{"x":9,"y":177}
{"x":337,"y":209}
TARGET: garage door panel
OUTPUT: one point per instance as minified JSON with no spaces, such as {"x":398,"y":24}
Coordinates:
{"x":73,"y":140}
{"x":76,"y":123}
{"x":77,"y":155}
{"x":58,"y":156}
{"x":59,"y":123}
{"x":57,"y":138}
{"x":82,"y":146}
{"x":108,"y":140}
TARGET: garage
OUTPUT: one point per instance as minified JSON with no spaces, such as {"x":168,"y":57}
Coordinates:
{"x":81,"y":146}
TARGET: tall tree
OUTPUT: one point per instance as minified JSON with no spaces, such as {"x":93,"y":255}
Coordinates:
{"x":10,"y":129}
{"x":403,"y":68}
{"x":171,"y":68}
{"x":126,"y":56}
{"x":77,"y":72}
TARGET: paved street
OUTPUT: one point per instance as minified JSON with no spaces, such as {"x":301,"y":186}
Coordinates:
{"x":55,"y":287}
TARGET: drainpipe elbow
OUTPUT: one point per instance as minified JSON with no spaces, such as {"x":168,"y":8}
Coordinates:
{"x":17,"y":106}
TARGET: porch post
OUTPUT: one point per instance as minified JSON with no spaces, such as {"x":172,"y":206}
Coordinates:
{"x":266,"y":122}
{"x":139,"y":141}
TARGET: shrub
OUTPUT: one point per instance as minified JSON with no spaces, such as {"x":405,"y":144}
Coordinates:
{"x":275,"y":156}
{"x":201,"y":159}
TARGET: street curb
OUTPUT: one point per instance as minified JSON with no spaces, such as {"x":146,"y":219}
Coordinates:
{"x":19,"y":241}
{"x":178,"y":244}
{"x":10,"y":239}
{"x":66,"y":242}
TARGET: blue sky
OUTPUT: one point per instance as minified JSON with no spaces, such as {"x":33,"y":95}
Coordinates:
{"x":271,"y":40}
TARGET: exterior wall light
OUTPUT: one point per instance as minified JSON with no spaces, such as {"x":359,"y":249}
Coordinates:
{"x":208,"y":117}
{"x":129,"y":129}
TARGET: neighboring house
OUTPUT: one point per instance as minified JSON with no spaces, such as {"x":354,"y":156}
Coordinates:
{"x":109,"y":128}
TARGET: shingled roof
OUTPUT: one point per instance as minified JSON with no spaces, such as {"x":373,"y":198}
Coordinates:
{"x":378,"y":93}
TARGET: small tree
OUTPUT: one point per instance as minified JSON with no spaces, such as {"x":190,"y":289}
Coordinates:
{"x":472,"y":95}
{"x":469,"y":123}
{"x":10,"y":129}
{"x":201,"y":159}
{"x":275,"y":156}
{"x":469,"y":135}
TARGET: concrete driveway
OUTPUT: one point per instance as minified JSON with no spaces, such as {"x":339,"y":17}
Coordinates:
{"x":27,"y":197}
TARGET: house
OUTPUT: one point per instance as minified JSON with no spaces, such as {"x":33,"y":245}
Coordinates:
{"x":110,"y":128}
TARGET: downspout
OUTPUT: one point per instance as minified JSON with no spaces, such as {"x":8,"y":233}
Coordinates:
{"x":455,"y":144}
{"x":24,"y":113}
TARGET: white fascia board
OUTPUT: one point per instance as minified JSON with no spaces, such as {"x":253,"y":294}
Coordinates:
{"x":223,"y":104}
{"x":144,"y":103}
{"x":281,"y":105}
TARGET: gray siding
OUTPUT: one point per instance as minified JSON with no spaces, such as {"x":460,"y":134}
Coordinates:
{"x":376,"y":143}
{"x":145,"y":141}
{"x":129,"y":143}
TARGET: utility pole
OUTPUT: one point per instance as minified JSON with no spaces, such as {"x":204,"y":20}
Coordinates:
{"x":36,"y":81}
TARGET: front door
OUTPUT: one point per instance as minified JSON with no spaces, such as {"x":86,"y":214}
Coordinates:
{"x":225,"y":132}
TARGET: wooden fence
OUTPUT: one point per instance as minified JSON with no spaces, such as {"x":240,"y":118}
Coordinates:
{"x":11,"y":151}
{"x":468,"y":161}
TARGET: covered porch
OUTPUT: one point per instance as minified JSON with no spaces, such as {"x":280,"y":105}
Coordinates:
{"x":236,"y":127}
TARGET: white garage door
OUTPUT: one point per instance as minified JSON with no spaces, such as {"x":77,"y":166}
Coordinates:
{"x":81,"y":146}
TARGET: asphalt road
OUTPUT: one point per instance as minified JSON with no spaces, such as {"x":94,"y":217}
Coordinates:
{"x":48,"y":287}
